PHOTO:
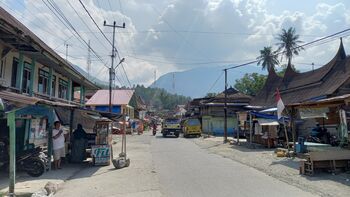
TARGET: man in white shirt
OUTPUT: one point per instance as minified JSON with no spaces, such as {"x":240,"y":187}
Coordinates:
{"x":58,"y":144}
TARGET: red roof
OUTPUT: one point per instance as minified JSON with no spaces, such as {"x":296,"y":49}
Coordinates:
{"x":119,"y":97}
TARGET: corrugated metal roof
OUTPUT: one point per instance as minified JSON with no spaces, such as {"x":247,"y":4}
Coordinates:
{"x":119,"y":97}
{"x":19,"y":98}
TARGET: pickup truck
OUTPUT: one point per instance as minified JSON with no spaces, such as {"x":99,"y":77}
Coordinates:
{"x":171,"y":126}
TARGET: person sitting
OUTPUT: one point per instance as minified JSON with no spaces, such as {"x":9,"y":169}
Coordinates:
{"x":316,"y":131}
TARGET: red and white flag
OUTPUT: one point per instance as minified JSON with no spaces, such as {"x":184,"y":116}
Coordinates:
{"x":280,"y":105}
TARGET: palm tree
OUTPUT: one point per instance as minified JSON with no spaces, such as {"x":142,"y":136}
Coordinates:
{"x":289,"y":44}
{"x":268,"y":59}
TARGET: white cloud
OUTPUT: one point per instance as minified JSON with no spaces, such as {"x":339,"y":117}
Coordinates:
{"x":163,"y":35}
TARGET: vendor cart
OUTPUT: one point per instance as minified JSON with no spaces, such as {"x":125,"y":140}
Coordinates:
{"x":101,"y":151}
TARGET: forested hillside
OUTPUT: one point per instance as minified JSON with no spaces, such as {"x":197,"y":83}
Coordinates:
{"x":159,"y":98}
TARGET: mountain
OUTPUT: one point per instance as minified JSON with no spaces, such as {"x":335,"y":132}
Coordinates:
{"x":197,"y":82}
{"x":93,"y":79}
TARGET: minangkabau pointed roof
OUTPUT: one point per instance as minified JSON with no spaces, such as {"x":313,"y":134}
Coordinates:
{"x":298,"y":87}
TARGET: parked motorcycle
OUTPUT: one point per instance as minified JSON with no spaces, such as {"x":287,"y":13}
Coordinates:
{"x":32,"y":161}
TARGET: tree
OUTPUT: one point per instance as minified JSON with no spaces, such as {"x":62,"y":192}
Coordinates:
{"x":250,"y":84}
{"x":289,"y":44}
{"x":211,"y":94}
{"x":268,"y":59}
{"x":160,"y":98}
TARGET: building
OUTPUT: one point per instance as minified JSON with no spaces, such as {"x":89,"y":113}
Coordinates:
{"x":297,"y":89}
{"x":212,"y":112}
{"x":34,"y":80}
{"x":120,"y":102}
{"x":332,"y":79}
{"x":31,"y":68}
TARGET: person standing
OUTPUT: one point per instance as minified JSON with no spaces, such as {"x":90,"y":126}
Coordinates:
{"x":58,"y":136}
{"x":79,"y":145}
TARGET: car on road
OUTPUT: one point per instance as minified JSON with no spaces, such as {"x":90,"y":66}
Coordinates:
{"x":192,"y":127}
{"x":171,"y":126}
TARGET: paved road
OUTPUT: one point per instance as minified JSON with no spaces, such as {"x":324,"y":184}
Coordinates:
{"x":174,"y":167}
{"x":186,"y":170}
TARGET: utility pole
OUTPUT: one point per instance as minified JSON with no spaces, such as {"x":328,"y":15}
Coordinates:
{"x":66,"y":51}
{"x":174,"y":82}
{"x":155,"y":78}
{"x":111,"y":69}
{"x":88,"y":69}
{"x":225,"y":109}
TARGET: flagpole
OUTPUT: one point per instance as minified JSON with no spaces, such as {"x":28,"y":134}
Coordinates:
{"x":286,"y":134}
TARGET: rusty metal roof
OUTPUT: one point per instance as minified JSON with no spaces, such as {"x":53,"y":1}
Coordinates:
{"x":119,"y":97}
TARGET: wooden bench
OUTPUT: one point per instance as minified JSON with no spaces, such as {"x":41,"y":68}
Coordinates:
{"x":329,"y":159}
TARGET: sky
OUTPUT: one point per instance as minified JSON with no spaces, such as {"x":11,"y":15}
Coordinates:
{"x":176,"y":35}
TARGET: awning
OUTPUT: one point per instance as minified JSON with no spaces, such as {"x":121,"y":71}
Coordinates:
{"x":18,"y":98}
{"x":267,"y":122}
{"x":56,"y":103}
{"x":86,"y":118}
{"x":263,"y":115}
{"x":274,"y":109}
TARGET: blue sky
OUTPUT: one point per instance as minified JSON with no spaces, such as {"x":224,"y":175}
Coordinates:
{"x":177,"y":35}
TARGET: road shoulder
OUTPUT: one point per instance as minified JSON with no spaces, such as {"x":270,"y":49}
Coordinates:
{"x":284,"y":169}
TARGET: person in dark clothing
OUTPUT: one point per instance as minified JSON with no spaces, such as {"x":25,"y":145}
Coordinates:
{"x":79,"y":144}
{"x":79,"y":133}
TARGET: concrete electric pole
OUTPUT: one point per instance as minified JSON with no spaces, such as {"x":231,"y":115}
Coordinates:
{"x":111,"y":69}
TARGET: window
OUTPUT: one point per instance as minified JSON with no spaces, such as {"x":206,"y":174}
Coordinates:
{"x":43,"y":83}
{"x":26,"y":77}
{"x":2,"y":67}
{"x":53,"y":89}
{"x":62,"y":88}
{"x":14,"y":72}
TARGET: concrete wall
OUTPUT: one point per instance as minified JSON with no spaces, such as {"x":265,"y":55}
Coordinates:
{"x":215,"y":125}
{"x":5,"y":78}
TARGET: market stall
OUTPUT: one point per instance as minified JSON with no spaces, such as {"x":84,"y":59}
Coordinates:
{"x":98,"y":137}
{"x":332,"y":115}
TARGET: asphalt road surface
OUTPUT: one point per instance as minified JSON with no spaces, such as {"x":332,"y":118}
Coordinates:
{"x":175,"y":167}
{"x":186,"y":170}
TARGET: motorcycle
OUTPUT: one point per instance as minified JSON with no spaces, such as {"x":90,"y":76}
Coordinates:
{"x":154,"y":130}
{"x":32,"y":161}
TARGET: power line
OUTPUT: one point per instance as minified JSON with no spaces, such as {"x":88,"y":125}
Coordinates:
{"x":104,"y":35}
{"x":211,"y":87}
{"x":126,"y":76}
{"x":187,"y":63}
{"x":179,"y":34}
{"x":60,"y":15}
{"x":205,"y":32}
{"x":298,"y":47}
{"x":98,"y":27}
{"x":85,"y":24}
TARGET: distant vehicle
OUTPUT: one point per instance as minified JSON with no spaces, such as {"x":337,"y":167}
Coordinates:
{"x":192,"y":127}
{"x":171,"y":126}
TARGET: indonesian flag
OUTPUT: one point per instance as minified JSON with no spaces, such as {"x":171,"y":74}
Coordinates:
{"x":280,"y":105}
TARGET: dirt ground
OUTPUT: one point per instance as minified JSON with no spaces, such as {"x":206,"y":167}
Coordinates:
{"x":284,"y":169}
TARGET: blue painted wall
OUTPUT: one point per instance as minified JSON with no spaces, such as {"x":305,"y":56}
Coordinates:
{"x":115,"y":109}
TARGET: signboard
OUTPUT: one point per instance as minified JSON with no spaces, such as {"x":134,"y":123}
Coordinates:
{"x":101,"y":154}
{"x":38,"y":133}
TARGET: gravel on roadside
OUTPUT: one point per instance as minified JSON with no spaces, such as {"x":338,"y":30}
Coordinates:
{"x":284,"y":169}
